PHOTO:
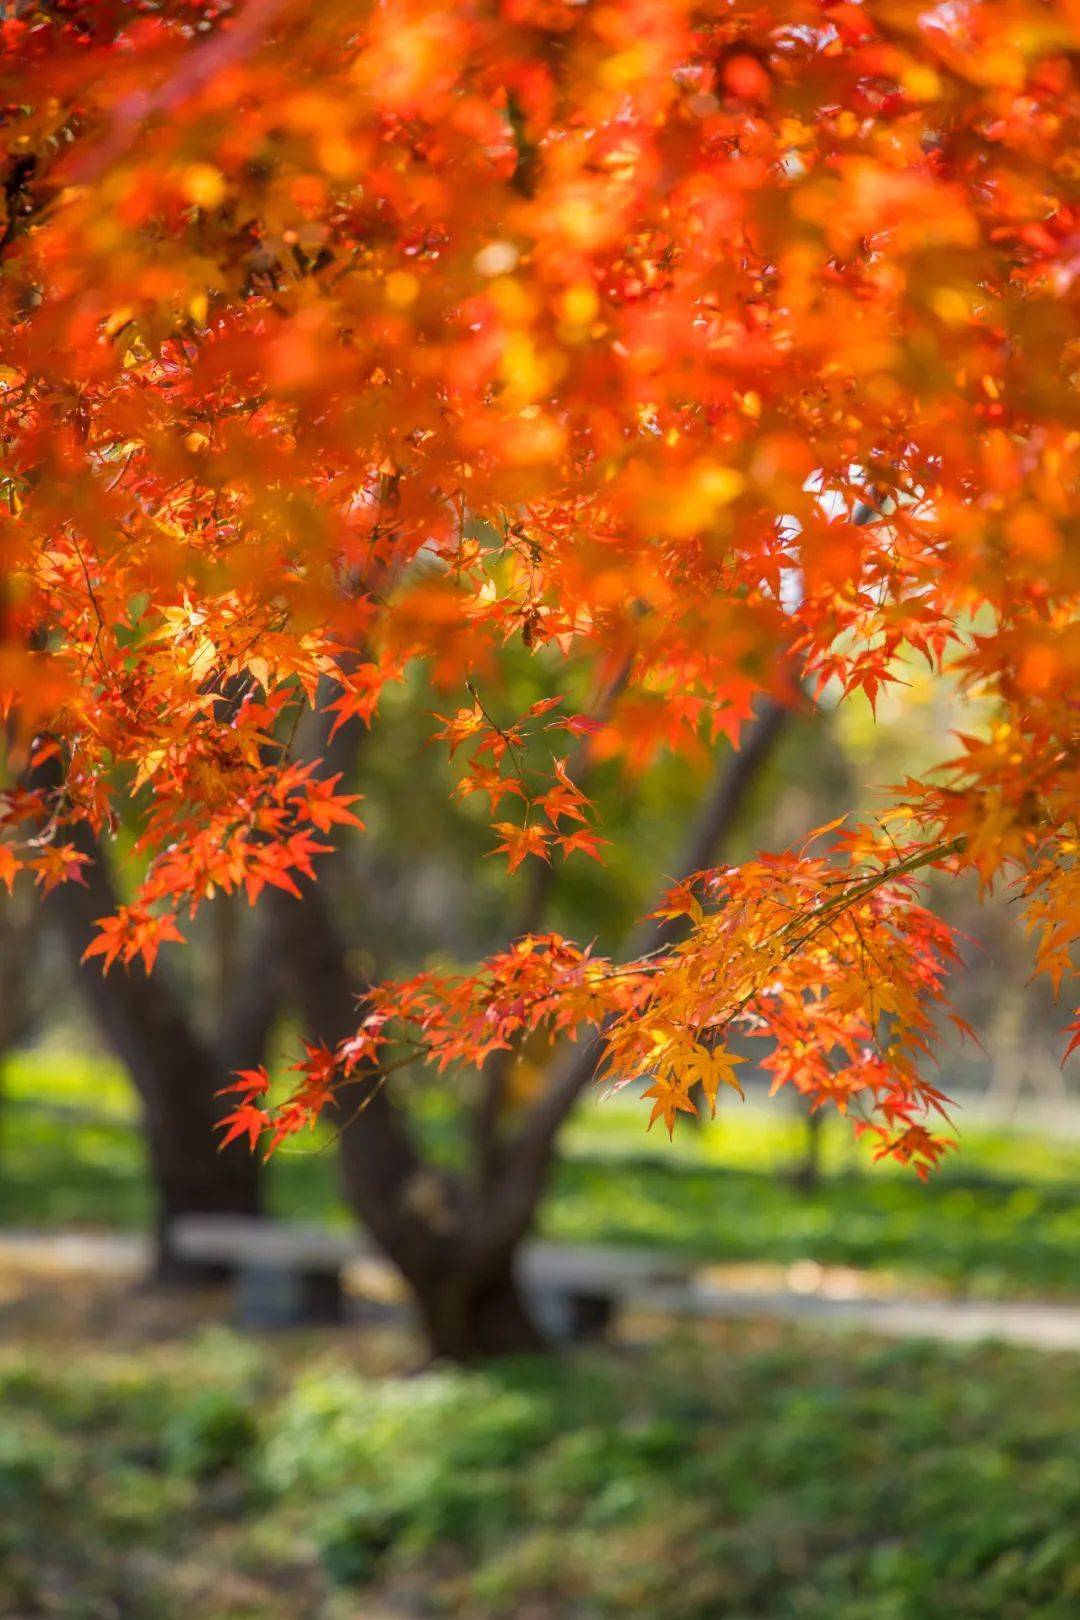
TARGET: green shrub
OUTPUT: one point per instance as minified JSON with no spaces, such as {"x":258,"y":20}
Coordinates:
{"x":32,"y":1460}
{"x":214,"y":1431}
{"x":357,"y":1532}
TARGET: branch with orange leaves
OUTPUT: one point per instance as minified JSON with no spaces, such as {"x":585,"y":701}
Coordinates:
{"x":528,"y":1159}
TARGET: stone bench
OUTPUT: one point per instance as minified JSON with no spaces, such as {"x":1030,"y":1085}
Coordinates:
{"x":289,"y":1273}
{"x":575,"y":1290}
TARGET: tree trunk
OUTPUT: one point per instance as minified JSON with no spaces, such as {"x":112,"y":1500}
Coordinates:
{"x":454,"y":1244}
{"x":807,"y":1174}
{"x":20,"y":973}
{"x":427,"y":1223}
{"x":470,"y":1315}
{"x":231,"y":1186}
{"x":176,"y":1076}
{"x":174,"y":1072}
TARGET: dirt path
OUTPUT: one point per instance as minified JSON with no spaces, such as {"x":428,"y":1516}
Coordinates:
{"x":1038,"y":1325}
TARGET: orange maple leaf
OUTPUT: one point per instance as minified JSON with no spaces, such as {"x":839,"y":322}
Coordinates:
{"x":671,"y":1100}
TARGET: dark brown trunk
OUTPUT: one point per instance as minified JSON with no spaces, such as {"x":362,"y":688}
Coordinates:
{"x":174,"y":1072}
{"x":807,"y":1175}
{"x":175,"y":1076}
{"x":21,"y":992}
{"x":471,"y":1315}
{"x":189,"y":1186}
{"x":427,"y":1223}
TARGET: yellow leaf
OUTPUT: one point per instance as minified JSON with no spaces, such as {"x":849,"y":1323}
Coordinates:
{"x":710,"y":1069}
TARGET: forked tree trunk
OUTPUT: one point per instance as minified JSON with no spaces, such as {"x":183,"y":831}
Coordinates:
{"x":462,"y":1280}
{"x":453,"y":1243}
{"x":427,"y":1223}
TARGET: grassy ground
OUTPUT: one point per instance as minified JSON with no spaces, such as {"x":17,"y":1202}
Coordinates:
{"x":747,"y":1472}
{"x":157,"y":1465}
{"x":1003,"y":1218}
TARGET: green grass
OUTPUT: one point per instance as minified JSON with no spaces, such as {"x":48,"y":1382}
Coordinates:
{"x":1002,"y":1218}
{"x":750,"y":1471}
{"x":757,"y":1474}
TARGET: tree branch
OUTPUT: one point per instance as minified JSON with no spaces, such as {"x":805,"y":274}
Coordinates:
{"x":412,"y":1211}
{"x":541,"y":882}
{"x":526,"y":1163}
{"x":721,"y":814}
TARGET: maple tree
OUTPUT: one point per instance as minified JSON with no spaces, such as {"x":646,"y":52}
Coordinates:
{"x":719,"y":355}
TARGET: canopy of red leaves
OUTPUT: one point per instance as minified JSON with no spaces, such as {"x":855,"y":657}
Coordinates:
{"x":703,"y":341}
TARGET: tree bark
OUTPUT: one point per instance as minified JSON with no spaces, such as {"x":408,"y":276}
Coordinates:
{"x":807,"y":1173}
{"x":175,"y":1073}
{"x":460,"y":1271}
{"x":471,"y":1315}
{"x":430,"y":1226}
{"x":20,"y":989}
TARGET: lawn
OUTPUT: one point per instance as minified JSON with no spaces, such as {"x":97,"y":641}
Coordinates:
{"x":1003,"y":1217}
{"x":753,"y":1472}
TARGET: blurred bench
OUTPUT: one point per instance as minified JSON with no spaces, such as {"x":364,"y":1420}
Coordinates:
{"x":288,"y":1273}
